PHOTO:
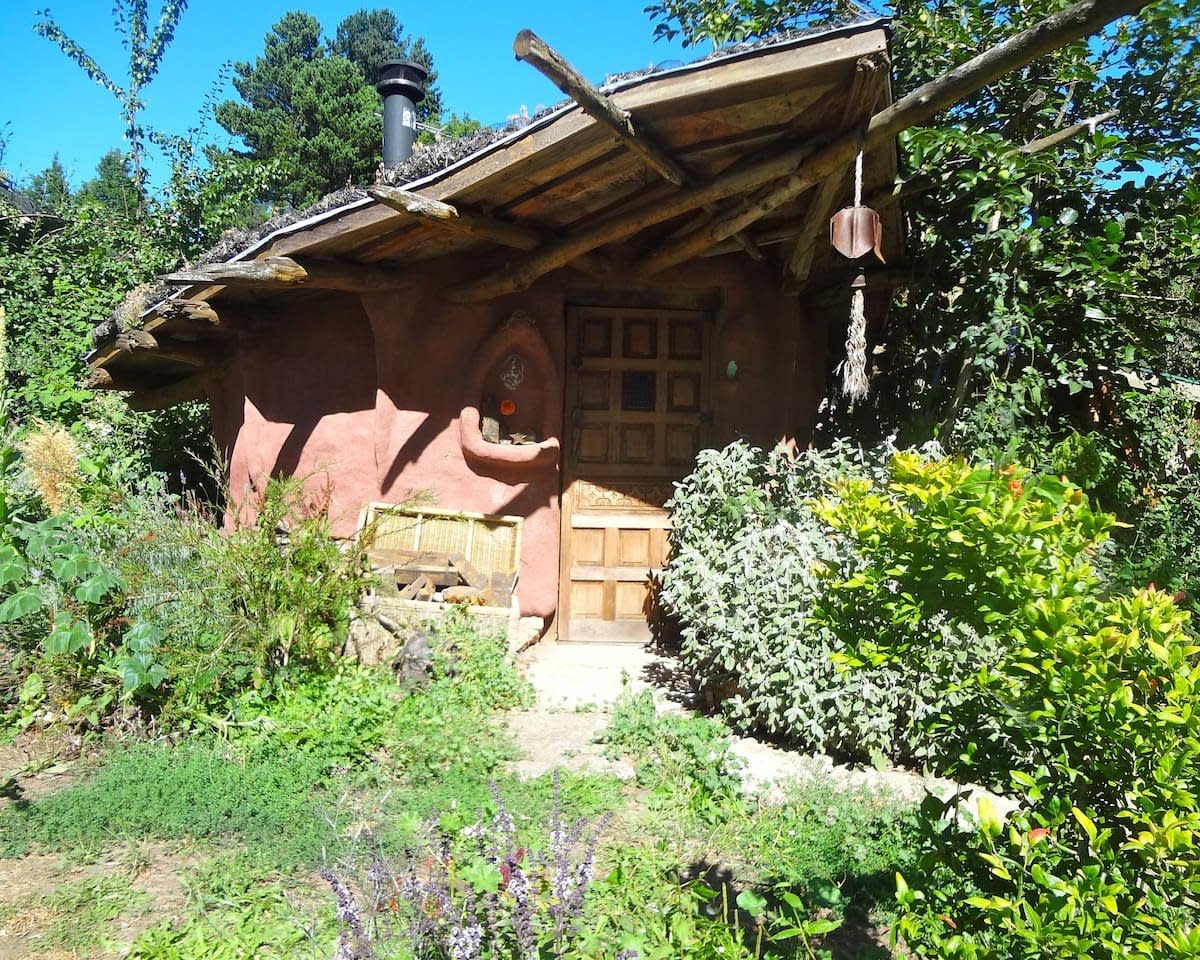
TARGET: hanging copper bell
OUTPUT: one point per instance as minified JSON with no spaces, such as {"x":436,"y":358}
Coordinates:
{"x":855,"y":232}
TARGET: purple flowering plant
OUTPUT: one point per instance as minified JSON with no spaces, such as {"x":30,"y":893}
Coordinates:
{"x":477,"y":894}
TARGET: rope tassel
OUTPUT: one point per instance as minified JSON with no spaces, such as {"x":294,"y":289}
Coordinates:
{"x":854,"y":371}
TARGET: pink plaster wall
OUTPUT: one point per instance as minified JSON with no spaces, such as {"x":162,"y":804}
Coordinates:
{"x":365,"y":395}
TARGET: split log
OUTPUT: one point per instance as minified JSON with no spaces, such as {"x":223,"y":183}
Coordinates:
{"x":1079,"y":20}
{"x":860,"y":101}
{"x":470,"y":575}
{"x":531,"y":48}
{"x":285,"y":272}
{"x":619,"y":226}
{"x":139,"y":341}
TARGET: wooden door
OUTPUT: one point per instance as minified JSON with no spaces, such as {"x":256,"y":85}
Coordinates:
{"x":636,"y":400}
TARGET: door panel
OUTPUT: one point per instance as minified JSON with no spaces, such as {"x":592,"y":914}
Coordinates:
{"x":636,"y":395}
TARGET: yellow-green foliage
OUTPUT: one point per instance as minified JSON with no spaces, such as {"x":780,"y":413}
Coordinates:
{"x":1101,"y":858}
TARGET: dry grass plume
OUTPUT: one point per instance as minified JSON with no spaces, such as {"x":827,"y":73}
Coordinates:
{"x":51,"y":459}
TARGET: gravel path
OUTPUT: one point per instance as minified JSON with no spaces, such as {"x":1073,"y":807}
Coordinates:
{"x":577,"y":684}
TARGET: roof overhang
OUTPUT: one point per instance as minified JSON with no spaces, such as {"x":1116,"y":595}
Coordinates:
{"x":726,"y":120}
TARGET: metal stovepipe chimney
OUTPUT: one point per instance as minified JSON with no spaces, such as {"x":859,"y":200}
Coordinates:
{"x":402,"y":86}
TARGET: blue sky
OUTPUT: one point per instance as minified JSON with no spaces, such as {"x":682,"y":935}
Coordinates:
{"x":48,"y":105}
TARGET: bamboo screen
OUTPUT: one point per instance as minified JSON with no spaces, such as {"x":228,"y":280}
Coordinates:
{"x":492,"y":544}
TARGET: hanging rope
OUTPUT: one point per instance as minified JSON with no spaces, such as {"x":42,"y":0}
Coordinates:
{"x":854,"y":371}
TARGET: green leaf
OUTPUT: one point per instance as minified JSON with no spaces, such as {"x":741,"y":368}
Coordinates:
{"x":96,"y":587}
{"x":753,"y":903}
{"x":482,"y":876}
{"x":1085,"y":821}
{"x":69,"y":635}
{"x":21,"y":604}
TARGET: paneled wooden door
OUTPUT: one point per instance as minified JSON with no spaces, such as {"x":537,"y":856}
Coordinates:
{"x":636,"y":402}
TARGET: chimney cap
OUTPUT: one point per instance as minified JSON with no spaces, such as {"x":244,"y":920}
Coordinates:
{"x":406,"y":77}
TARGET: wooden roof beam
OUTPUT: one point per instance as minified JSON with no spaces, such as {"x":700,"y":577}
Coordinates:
{"x":860,"y":102}
{"x":457,"y":218}
{"x":287,"y":273}
{"x":140,"y":341}
{"x":798,"y":169}
{"x":472,"y":223}
{"x":194,"y":387}
{"x":1077,"y":21}
{"x":531,"y":48}
{"x":623,"y":224}
{"x":102,"y":379}
{"x":914,"y":186}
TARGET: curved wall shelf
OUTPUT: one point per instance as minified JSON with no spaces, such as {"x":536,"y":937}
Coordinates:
{"x":517,"y":336}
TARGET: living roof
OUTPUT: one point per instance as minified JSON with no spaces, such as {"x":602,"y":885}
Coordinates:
{"x":555,"y":179}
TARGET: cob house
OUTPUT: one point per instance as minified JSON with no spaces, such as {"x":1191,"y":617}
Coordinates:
{"x":537,"y":329}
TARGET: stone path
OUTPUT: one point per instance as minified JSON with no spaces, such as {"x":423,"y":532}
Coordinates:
{"x":577,"y":684}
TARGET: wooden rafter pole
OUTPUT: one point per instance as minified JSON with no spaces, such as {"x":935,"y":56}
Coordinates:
{"x":535,"y":51}
{"x":802,"y":168}
{"x":860,"y":101}
{"x":102,"y":379}
{"x":1079,"y":20}
{"x":285,"y":272}
{"x":618,"y":226}
{"x":458,"y":218}
{"x":194,"y":387}
{"x":464,"y":220}
{"x":531,"y":48}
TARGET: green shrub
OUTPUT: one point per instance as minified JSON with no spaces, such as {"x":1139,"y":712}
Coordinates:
{"x":73,"y":654}
{"x":238,"y":910}
{"x":353,"y":717}
{"x":260,"y":607}
{"x":746,"y":574}
{"x":1101,"y":859}
{"x":949,"y":559}
{"x":842,"y":602}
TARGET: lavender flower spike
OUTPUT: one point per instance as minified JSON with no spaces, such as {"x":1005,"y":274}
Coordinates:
{"x":352,"y":938}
